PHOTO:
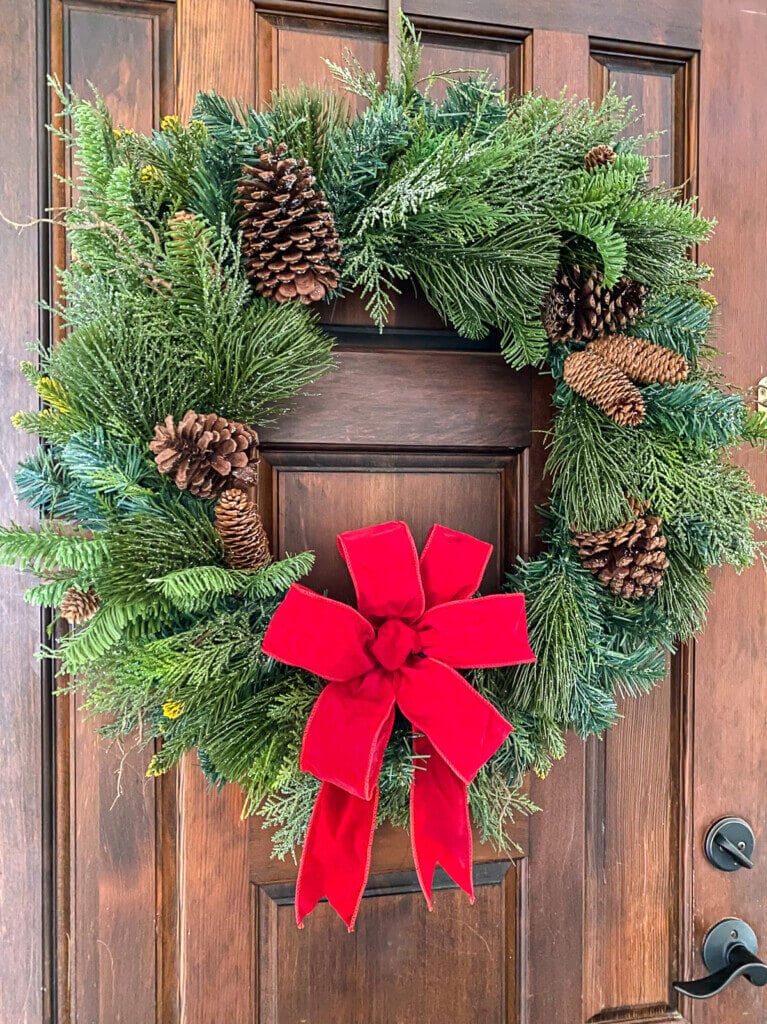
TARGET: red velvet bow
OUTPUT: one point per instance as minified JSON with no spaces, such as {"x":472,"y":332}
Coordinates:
{"x":415,"y":626}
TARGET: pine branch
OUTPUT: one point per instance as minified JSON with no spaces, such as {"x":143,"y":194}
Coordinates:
{"x":563,"y":623}
{"x":52,"y":547}
{"x":194,"y":589}
{"x":695,"y":411}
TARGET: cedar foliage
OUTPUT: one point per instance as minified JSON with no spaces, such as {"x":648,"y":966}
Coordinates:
{"x":480,"y":201}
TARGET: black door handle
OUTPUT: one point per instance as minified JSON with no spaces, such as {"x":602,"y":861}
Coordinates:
{"x":730,"y":844}
{"x":729,"y":952}
{"x":738,"y":855}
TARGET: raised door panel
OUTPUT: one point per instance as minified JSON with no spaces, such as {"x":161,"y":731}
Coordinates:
{"x":108,"y":847}
{"x":663,"y":86}
{"x":294,"y":48}
{"x":638,"y":857}
{"x":402,"y":963}
{"x":611,"y":854}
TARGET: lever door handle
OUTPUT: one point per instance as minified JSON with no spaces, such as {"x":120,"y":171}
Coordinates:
{"x":730,"y":844}
{"x":729,"y":952}
{"x":735,"y":852}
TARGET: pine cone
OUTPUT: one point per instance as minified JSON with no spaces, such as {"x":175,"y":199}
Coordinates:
{"x":630,"y":559}
{"x":181,"y":217}
{"x":599,"y":156}
{"x":605,"y":386}
{"x":205,"y":454}
{"x":579,"y":307}
{"x":289,"y":239}
{"x":241,"y":531}
{"x":641,"y":360}
{"x":79,"y":605}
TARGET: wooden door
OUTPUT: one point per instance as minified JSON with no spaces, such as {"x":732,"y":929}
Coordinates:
{"x":164,"y":906}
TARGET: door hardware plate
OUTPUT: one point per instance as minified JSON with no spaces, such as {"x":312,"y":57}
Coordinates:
{"x":722,"y":937}
{"x":730,"y":844}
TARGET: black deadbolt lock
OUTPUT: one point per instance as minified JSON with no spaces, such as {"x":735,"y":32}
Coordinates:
{"x":730,"y":844}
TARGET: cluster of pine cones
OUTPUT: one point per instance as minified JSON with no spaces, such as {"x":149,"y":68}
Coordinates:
{"x":213,"y":457}
{"x":580,"y":308}
{"x":629,"y":559}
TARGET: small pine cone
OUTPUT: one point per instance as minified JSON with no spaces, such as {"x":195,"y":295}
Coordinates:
{"x":241,"y":531}
{"x":605,"y":386}
{"x":641,"y":360}
{"x":205,"y":453}
{"x":629,"y":559}
{"x":599,"y":156}
{"x":289,"y":239}
{"x":78,"y":606}
{"x":181,"y":217}
{"x":580,"y":308}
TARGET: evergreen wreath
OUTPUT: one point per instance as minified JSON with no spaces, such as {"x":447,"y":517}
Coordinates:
{"x":197,"y":255}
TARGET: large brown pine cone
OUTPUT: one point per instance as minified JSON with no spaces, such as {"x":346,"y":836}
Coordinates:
{"x":242,"y":533}
{"x":289,"y":239}
{"x":630,"y":559}
{"x":605,"y":386}
{"x":79,"y":605}
{"x":642,"y":360}
{"x":579,"y":307}
{"x":205,"y":453}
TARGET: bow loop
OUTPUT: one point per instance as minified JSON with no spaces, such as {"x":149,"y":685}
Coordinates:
{"x":452,"y":565}
{"x":487,"y":632}
{"x":383,"y":564}
{"x":324,"y":637}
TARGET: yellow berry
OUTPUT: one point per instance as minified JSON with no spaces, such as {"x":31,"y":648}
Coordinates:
{"x":149,"y":174}
{"x":173,"y":708}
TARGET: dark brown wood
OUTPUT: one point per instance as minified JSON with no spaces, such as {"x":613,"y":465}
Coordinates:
{"x":394,"y":966}
{"x":652,"y":22}
{"x":404,"y":400}
{"x":109,"y":856}
{"x":557,"y":836}
{"x":25,"y":877}
{"x":730,"y":693}
{"x":467,"y":496}
{"x":215,"y":49}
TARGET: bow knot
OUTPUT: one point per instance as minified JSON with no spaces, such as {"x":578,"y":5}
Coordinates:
{"x":394,"y":643}
{"x":415,"y":625}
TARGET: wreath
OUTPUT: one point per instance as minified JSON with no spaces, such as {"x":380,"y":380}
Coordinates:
{"x":198,"y":257}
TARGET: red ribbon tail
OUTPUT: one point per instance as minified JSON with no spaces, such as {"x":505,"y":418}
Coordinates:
{"x":336,"y":857}
{"x":440,"y":829}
